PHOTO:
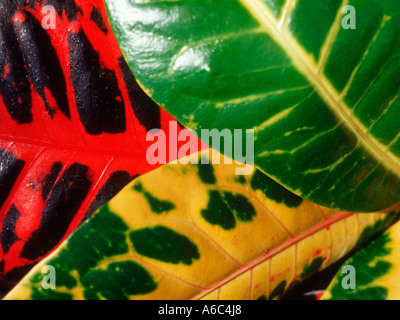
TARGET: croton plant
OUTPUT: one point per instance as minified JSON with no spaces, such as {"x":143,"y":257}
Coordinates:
{"x":88,"y":86}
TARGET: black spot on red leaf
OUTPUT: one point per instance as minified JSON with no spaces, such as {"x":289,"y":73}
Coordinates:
{"x":10,"y":168}
{"x":9,"y":7}
{"x":50,"y":179}
{"x":96,"y":89}
{"x":14,"y":80}
{"x":8,"y":236}
{"x":145,"y":109}
{"x":17,"y":273}
{"x":96,"y":17}
{"x":65,"y":200}
{"x":43,"y":64}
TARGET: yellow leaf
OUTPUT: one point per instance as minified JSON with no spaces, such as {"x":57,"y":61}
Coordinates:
{"x":199,"y":231}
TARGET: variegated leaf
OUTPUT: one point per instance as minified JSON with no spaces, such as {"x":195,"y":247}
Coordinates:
{"x":374,"y":272}
{"x":322,"y":99}
{"x":198,"y":231}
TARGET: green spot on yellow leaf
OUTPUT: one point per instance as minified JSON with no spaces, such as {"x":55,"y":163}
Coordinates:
{"x":87,"y":247}
{"x":222,"y":208}
{"x":218,"y":212}
{"x":206,"y":172}
{"x":164,"y":244}
{"x":41,"y":294}
{"x":311,"y":268}
{"x":241,"y":179}
{"x":90,"y":295}
{"x":279,"y":290}
{"x":119,"y":280}
{"x":241,"y":206}
{"x":158,"y":206}
{"x":274,"y":191}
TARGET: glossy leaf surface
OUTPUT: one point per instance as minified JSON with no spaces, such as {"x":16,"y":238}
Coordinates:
{"x":322,"y":99}
{"x":229,"y":237}
{"x":73,"y":125}
{"x":376,"y":271}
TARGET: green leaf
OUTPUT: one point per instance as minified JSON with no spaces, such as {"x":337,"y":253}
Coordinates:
{"x":323,"y":100}
{"x":376,"y":271}
{"x":225,"y":239}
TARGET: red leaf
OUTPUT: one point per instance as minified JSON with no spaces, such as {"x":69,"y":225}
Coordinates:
{"x":73,"y":125}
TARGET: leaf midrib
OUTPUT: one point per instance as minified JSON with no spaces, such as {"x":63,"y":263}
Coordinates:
{"x":273,"y":252}
{"x":308,"y":68}
{"x":84,"y":149}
